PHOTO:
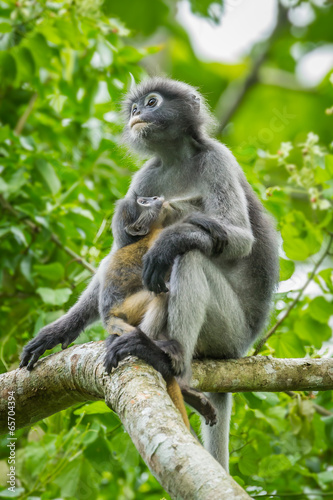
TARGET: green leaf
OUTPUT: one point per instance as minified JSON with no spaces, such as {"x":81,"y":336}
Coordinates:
{"x":25,"y":63}
{"x":54,"y":271}
{"x":49,"y":175}
{"x":287,"y":268}
{"x":12,"y":494}
{"x":272,"y":466}
{"x":320,"y":309}
{"x":25,"y":266}
{"x":248,"y":461}
{"x":18,"y":179}
{"x":300,"y":237}
{"x":19,"y":235}
{"x":5,"y":28}
{"x":312,"y":332}
{"x":93,"y":408}
{"x":8,"y":68}
{"x":325,"y":478}
{"x":329,"y":164}
{"x":27,"y":142}
{"x":56,"y":297}
{"x":287,"y":345}
{"x":207,"y":8}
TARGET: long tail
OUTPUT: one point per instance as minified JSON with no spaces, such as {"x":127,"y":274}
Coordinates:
{"x":176,"y":396}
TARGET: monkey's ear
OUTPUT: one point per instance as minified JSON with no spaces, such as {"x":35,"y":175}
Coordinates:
{"x":195,"y":102}
{"x":136,"y":230}
{"x":132,"y":84}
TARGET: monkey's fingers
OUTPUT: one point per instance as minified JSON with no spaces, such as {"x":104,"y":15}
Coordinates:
{"x":25,"y":357}
{"x":34,"y":358}
{"x":36,"y":347}
{"x":111,"y":338}
{"x":219,"y":246}
{"x":200,"y":403}
{"x":154,"y":280}
{"x":118,"y":348}
{"x":30,"y":356}
{"x":138,"y":344}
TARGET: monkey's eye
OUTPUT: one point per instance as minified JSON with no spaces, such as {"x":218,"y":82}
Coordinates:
{"x":152,"y":102}
{"x":142,"y":201}
{"x":134,"y":109}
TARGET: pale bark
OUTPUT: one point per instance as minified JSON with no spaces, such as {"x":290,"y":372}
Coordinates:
{"x":76,"y":375}
{"x":137,"y":393}
{"x":263,"y":374}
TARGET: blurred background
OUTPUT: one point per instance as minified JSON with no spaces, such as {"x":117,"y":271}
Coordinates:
{"x":266,"y":70}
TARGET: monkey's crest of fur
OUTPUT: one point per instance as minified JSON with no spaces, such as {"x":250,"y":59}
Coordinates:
{"x":189,"y":103}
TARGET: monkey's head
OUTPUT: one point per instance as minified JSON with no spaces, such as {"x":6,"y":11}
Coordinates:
{"x":160,"y":111}
{"x":150,"y":213}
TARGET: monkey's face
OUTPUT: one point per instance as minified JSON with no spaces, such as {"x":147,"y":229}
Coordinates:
{"x":150,"y":202}
{"x":143,"y":112}
{"x":157,"y":118}
{"x":151,"y":208}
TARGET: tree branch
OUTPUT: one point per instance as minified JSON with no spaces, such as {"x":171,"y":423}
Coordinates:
{"x":76,"y":375}
{"x":36,"y":229}
{"x":234,"y":94}
{"x":22,"y":121}
{"x":137,"y":393}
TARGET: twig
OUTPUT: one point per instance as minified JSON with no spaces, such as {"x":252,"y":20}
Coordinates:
{"x":294,"y":302}
{"x":295,"y":495}
{"x":36,"y":229}
{"x":233,"y":96}
{"x":22,"y":121}
{"x":319,"y":409}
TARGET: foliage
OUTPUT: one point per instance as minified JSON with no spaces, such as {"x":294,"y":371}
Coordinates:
{"x":64,"y":67}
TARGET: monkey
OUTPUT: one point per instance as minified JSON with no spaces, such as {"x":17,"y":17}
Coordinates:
{"x":144,"y":219}
{"x":217,"y":304}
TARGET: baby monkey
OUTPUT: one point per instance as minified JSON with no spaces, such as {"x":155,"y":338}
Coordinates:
{"x":144,"y":220}
{"x":116,"y":295}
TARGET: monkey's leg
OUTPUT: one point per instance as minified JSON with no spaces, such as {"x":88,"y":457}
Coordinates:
{"x":138,"y":344}
{"x":205,"y":316}
{"x":156,"y":320}
{"x":67,"y":328}
{"x":132,"y":310}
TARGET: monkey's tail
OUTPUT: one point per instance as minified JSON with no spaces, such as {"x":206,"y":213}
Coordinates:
{"x":176,"y":396}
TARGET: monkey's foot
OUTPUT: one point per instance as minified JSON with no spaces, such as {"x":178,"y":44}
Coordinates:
{"x":137,"y":344}
{"x":175,"y":352}
{"x":199,"y":402}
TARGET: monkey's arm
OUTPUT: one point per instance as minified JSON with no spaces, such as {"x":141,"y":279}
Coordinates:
{"x":231,"y":212}
{"x":67,"y":328}
{"x":177,"y":240}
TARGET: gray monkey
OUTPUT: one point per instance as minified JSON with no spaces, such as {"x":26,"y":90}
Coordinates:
{"x":217,"y":303}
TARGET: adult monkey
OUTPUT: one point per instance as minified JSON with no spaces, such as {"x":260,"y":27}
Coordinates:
{"x":217,"y":304}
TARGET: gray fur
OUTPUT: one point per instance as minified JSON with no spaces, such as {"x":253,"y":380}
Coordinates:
{"x":217,"y":304}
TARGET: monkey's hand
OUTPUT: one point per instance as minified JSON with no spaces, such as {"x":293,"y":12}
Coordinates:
{"x":49,"y":336}
{"x":155,"y":266}
{"x":212,"y":227}
{"x":137,"y":344}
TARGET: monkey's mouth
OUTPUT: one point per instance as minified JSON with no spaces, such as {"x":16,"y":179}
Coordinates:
{"x":137,"y":123}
